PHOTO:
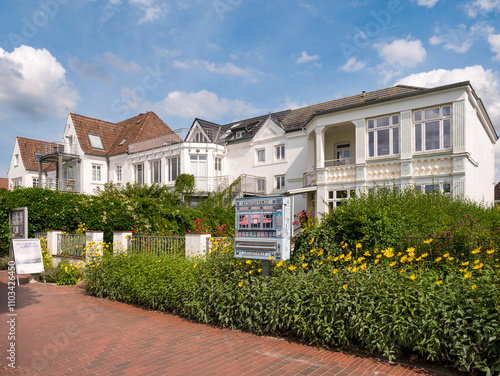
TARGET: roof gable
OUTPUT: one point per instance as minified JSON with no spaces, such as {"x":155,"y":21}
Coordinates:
{"x":29,"y":149}
{"x":268,"y":130}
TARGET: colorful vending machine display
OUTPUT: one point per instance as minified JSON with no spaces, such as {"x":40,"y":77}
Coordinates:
{"x":263,"y":227}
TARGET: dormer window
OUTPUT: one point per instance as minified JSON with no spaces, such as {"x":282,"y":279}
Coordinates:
{"x":199,"y":137}
{"x":123,"y":141}
{"x":239,"y":134}
{"x":95,"y":141}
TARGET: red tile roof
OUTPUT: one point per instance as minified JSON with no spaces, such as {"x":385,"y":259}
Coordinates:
{"x":29,"y":147}
{"x":116,"y":137}
{"x":4,"y":183}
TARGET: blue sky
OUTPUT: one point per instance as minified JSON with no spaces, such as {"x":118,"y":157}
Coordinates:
{"x":223,"y":60}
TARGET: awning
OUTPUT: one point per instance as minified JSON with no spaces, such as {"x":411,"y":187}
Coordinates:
{"x":299,"y":191}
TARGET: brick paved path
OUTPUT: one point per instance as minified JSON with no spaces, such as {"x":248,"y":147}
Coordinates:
{"x":61,"y":331}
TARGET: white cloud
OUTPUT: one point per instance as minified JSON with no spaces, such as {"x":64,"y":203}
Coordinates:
{"x":206,"y":105}
{"x":402,"y":53}
{"x":33,"y":83}
{"x":229,"y":69}
{"x":494,"y":41}
{"x":352,"y":65}
{"x":153,"y":10}
{"x":290,"y":105}
{"x":482,"y":6}
{"x":305,"y":58}
{"x":427,"y":3}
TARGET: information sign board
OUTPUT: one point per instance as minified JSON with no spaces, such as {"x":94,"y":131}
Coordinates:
{"x":18,"y":223}
{"x":28,"y":256}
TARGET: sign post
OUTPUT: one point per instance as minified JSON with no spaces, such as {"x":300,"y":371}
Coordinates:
{"x":263,"y":226}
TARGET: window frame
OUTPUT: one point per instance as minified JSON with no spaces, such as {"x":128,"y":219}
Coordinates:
{"x":139,"y":179}
{"x":394,"y":130}
{"x":280,"y":182}
{"x":421,"y":132}
{"x":259,"y":153}
{"x":279,"y":152}
{"x":218,"y":164}
{"x":171,"y":161}
{"x":96,"y":173}
{"x":98,"y":139}
{"x":155,"y":171}
{"x":118,"y":172}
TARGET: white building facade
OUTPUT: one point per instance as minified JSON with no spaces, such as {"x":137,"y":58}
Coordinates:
{"x":432,"y":139}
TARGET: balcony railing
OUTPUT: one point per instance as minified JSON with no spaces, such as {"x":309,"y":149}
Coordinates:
{"x":68,"y":185}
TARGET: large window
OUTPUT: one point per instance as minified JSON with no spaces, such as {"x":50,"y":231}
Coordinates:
{"x":432,"y":128}
{"x":95,"y":141}
{"x":139,"y":173}
{"x":155,"y":170}
{"x":96,"y":172}
{"x":336,"y":197}
{"x":383,"y":136}
{"x":174,"y":166}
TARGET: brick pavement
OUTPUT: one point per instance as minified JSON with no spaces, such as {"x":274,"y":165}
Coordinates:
{"x":61,"y":331}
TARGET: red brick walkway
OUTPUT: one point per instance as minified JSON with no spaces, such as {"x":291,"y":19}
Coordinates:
{"x":61,"y":331}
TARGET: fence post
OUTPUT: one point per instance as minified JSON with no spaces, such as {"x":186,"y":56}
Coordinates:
{"x":94,"y":240}
{"x":120,"y":241}
{"x":196,"y":243}
{"x":52,"y":241}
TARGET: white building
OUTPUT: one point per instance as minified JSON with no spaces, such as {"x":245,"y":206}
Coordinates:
{"x":437,"y":138}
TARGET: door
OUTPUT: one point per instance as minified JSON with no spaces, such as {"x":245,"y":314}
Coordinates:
{"x":343,"y":154}
{"x":199,"y":170}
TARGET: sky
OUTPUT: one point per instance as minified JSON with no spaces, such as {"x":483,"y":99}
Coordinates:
{"x":224,"y":60}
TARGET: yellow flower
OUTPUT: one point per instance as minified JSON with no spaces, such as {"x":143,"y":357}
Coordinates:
{"x":248,"y":261}
{"x":428,"y":241}
{"x":349,"y":268}
{"x":240,"y":284}
{"x":439,"y":282}
{"x":376,"y":261}
{"x":392,"y":264}
{"x":270,"y":257}
{"x":292,"y":268}
{"x":259,"y":270}
{"x":344,"y":245}
{"x":98,"y":264}
{"x":379,"y":256}
{"x":342,"y":256}
{"x":413,"y":277}
{"x":250,"y":272}
{"x":279,"y":264}
{"x":303,"y":257}
{"x":473,"y":287}
{"x":320,"y":252}
{"x":359,"y":245}
{"x":344,"y":287}
{"x":335,"y":259}
{"x":438,"y":259}
{"x":465,"y":263}
{"x":446,"y":255}
{"x":311,"y":241}
{"x":477,"y":250}
{"x":451,"y":258}
{"x":321,"y":262}
{"x":335,"y":271}
{"x":478,"y":266}
{"x":490,"y":251}
{"x":304,"y":265}
{"x":425,"y":255}
{"x":363,"y":267}
{"x":194,"y":266}
{"x":360,"y":259}
{"x":159,"y":260}
{"x":312,"y":251}
{"x":468,"y":275}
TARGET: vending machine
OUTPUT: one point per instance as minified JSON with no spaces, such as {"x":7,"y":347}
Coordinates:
{"x":263,"y":228}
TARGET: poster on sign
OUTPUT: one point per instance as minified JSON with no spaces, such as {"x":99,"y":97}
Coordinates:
{"x":28,"y":256}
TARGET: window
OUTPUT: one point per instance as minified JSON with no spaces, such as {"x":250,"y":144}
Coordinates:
{"x":261,"y":185}
{"x":432,"y":128}
{"x":239,"y":134}
{"x":342,"y":154}
{"x":383,"y":136}
{"x":199,"y":137}
{"x":16,"y":160}
{"x":96,"y":172}
{"x":174,"y":166}
{"x":16,"y":182}
{"x":280,"y":182}
{"x":218,"y":164}
{"x":280,"y":152}
{"x":36,"y":182}
{"x":118,"y":172}
{"x":335,"y":198}
{"x":95,"y":141}
{"x":444,"y":188}
{"x":155,"y":170}
{"x":139,"y":173}
{"x":261,"y":155}
{"x":123,"y":141}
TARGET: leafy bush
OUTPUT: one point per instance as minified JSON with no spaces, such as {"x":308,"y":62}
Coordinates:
{"x":385,"y":302}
